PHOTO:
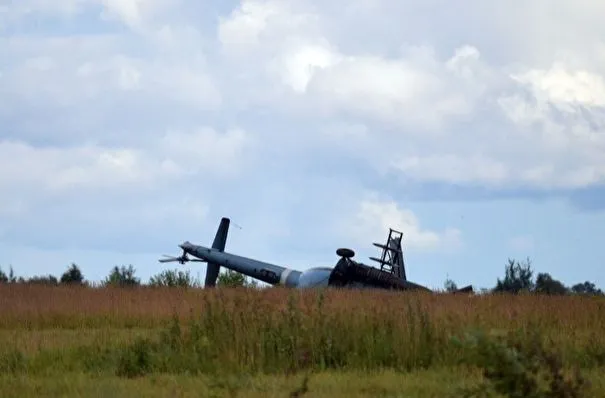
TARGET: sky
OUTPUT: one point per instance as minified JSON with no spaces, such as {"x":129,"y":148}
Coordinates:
{"x":476,"y":128}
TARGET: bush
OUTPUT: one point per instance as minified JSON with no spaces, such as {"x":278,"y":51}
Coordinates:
{"x":73,"y":275}
{"x":135,"y":360}
{"x":519,"y":365}
{"x":174,"y":278}
{"x":122,"y":276}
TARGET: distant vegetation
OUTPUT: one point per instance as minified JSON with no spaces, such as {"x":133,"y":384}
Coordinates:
{"x":518,"y":278}
{"x":125,"y":276}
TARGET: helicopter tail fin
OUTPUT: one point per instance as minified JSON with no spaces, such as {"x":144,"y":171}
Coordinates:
{"x":220,"y":240}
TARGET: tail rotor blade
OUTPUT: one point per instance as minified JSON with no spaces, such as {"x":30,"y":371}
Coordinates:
{"x":169,"y":259}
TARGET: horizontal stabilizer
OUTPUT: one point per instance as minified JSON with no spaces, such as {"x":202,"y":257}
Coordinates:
{"x":393,"y":249}
{"x":466,"y":289}
{"x":380,"y":261}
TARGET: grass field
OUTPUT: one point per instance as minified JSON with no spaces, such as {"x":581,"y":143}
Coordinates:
{"x":72,"y":341}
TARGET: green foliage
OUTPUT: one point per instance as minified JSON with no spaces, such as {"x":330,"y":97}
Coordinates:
{"x":12,"y":361}
{"x":230,"y":278}
{"x":135,"y":360}
{"x":545,"y":284}
{"x":44,"y":280}
{"x":586,"y":288}
{"x":122,"y":276}
{"x":519,"y":365}
{"x":72,"y":275}
{"x":302,"y":390}
{"x":10,"y":278}
{"x":518,"y":278}
{"x":174,"y":278}
{"x":450,"y":286}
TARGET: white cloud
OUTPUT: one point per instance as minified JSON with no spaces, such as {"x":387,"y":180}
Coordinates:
{"x":562,"y":86}
{"x":25,"y":8}
{"x":442,"y":113}
{"x":415,"y":89}
{"x":397,"y":91}
{"x":137,"y":14}
{"x":298,"y":67}
{"x":454,"y":169}
{"x":206,"y":151}
{"x":129,"y":11}
{"x":374,"y":216}
{"x":269,"y":24}
{"x":68,"y":74}
{"x":60,"y":170}
{"x":247,"y":22}
{"x":299,"y":89}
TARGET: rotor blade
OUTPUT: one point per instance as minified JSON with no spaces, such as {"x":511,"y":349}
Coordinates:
{"x":168,"y":260}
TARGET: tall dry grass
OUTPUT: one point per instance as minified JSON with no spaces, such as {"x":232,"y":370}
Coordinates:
{"x":39,"y":306}
{"x":278,"y":329}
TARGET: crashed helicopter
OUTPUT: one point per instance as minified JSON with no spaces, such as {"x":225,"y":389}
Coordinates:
{"x":346,"y":273}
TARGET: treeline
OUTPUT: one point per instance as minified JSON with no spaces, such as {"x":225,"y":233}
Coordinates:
{"x":125,"y":276}
{"x":519,"y":278}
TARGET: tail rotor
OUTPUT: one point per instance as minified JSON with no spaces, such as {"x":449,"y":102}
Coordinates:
{"x":212,"y":269}
{"x":182,"y":259}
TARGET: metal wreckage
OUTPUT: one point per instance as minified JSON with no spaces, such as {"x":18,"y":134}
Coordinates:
{"x":347,"y":273}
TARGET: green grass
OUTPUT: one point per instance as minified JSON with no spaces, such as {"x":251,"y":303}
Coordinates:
{"x":446,"y":382}
{"x":434,"y":383}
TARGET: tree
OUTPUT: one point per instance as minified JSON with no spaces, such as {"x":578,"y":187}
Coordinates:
{"x":73,"y":275}
{"x":545,"y":284}
{"x":173,"y":278}
{"x":10,"y":278}
{"x":43,"y":280}
{"x":450,"y":286}
{"x":518,"y":278}
{"x":586,"y":288}
{"x":122,"y":276}
{"x":231,"y":278}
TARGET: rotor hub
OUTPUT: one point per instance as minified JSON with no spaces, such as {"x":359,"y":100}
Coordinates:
{"x":345,"y":252}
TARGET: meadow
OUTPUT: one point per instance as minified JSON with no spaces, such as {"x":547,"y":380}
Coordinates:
{"x":146,"y":341}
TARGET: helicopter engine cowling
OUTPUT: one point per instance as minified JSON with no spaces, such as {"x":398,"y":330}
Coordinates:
{"x":350,"y":273}
{"x":315,"y":277}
